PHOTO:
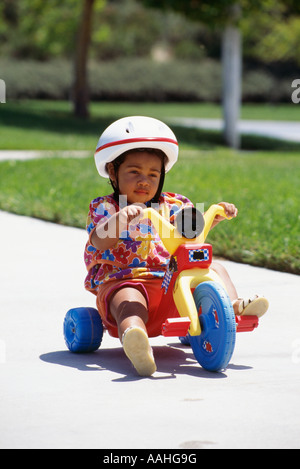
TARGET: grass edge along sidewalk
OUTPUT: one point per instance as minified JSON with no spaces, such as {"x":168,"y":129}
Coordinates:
{"x":263,"y":185}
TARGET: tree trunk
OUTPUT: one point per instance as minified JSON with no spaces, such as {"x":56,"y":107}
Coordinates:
{"x":232,"y":75}
{"x":80,"y":89}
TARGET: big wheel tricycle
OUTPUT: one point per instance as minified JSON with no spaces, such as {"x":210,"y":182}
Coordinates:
{"x":199,"y":309}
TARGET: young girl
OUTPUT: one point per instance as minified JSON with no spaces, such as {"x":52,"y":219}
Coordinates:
{"x":124,"y":256}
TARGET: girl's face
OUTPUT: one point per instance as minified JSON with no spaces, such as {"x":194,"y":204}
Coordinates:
{"x":138,"y":176}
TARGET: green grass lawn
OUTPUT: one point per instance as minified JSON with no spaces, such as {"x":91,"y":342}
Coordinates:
{"x":49,"y":125}
{"x":264,"y":184}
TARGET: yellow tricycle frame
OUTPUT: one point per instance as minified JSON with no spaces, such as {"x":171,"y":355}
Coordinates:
{"x":187,"y":279}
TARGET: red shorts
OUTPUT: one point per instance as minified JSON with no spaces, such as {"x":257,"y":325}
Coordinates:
{"x":151,"y":289}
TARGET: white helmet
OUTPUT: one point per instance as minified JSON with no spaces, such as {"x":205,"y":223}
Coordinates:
{"x":133,"y":132}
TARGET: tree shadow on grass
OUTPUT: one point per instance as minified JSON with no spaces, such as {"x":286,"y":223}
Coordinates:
{"x":60,"y":122}
{"x":64,"y":122}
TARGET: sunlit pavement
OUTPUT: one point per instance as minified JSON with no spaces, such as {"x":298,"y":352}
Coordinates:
{"x":51,"y":398}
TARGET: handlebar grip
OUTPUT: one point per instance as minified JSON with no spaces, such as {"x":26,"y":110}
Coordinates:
{"x":210,"y":215}
{"x":223,"y":213}
{"x":173,"y":236}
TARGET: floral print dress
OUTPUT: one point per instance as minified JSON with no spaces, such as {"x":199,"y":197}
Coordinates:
{"x":139,"y":253}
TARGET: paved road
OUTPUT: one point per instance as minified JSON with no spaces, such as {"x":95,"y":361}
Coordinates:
{"x":275,"y":129}
{"x":33,"y":154}
{"x":50,"y":398}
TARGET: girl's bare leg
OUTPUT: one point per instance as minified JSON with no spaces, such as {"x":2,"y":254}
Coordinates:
{"x":256,"y":306}
{"x":128,"y":307}
{"x":231,"y":290}
{"x":222,"y":272}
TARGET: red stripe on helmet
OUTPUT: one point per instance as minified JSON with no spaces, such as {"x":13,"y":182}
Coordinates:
{"x":136,"y":140}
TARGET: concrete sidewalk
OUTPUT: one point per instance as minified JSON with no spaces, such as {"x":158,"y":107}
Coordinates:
{"x":50,"y":398}
{"x":34,"y":154}
{"x":282,"y":130}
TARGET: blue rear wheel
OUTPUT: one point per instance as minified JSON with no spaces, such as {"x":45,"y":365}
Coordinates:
{"x":214,"y":347}
{"x":83,"y":330}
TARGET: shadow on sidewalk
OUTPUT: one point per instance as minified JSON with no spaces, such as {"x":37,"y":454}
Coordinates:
{"x":171,"y":360}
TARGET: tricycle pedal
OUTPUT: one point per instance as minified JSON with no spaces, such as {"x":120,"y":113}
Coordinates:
{"x":246,"y":323}
{"x":176,"y":327}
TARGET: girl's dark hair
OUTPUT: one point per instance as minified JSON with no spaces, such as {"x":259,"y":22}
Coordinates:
{"x":118,"y":161}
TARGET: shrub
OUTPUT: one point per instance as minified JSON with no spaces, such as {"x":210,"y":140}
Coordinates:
{"x":31,"y":79}
{"x":138,"y":80}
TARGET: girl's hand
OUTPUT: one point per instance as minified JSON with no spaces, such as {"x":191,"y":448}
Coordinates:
{"x":131,"y":213}
{"x":106,"y":234}
{"x":230,"y":210}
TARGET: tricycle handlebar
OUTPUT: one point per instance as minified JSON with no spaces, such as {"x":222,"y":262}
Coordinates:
{"x":170,"y":234}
